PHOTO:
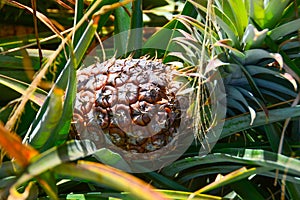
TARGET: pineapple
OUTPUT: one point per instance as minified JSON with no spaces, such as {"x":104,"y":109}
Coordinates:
{"x":131,"y":105}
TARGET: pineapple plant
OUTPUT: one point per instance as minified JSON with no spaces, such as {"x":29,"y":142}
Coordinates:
{"x":254,"y":75}
{"x":110,"y":104}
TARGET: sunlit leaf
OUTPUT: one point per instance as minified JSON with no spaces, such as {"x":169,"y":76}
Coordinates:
{"x":55,"y":156}
{"x":40,"y":134}
{"x":12,"y":145}
{"x":273,"y":12}
{"x":111,"y":177}
{"x":240,"y":15}
{"x":38,"y":96}
{"x":184,"y":195}
{"x":256,"y":11}
{"x":229,"y":178}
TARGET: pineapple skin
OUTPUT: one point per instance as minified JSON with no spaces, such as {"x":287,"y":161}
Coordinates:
{"x":130,"y":105}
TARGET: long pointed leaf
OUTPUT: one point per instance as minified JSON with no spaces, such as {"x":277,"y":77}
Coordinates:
{"x":231,"y":178}
{"x":255,"y":157}
{"x":242,"y":122}
{"x":12,"y":145}
{"x":285,"y":29}
{"x":38,"y":96}
{"x":46,"y":126}
{"x":136,"y":35}
{"x":273,"y":12}
{"x":122,"y":26}
{"x":163,"y":37}
{"x":111,"y":177}
{"x":55,"y":156}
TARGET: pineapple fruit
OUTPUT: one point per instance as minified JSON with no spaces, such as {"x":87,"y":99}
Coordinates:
{"x":131,"y":104}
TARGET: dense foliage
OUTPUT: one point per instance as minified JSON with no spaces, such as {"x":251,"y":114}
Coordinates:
{"x":252,"y":45}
